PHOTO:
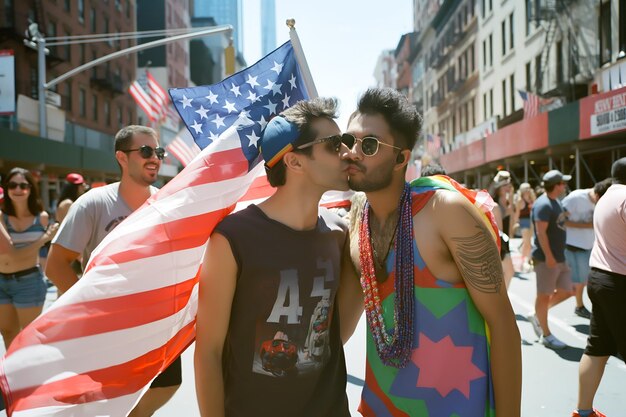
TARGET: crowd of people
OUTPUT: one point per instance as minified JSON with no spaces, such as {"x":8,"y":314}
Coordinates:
{"x":427,"y":262}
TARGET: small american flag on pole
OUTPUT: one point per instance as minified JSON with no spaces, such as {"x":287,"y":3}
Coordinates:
{"x":150,"y":96}
{"x":95,"y":351}
{"x":531,"y":103}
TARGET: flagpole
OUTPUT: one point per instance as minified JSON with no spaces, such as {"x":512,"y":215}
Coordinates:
{"x":304,"y":67}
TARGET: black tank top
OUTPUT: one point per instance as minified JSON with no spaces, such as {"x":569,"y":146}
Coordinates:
{"x":283,"y":355}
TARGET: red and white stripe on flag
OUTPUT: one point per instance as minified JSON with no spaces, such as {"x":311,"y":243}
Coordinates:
{"x":154,"y":102}
{"x":183,"y":147}
{"x":158,"y":94}
{"x":132,"y":313}
{"x":143,"y":100}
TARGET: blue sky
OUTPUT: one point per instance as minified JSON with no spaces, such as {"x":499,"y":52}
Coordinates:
{"x":342,"y":40}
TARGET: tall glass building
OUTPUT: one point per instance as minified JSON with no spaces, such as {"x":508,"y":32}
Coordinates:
{"x":268,"y":26}
{"x":225,"y":12}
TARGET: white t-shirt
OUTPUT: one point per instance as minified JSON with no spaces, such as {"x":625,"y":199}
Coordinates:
{"x":91,"y":217}
{"x":580,"y":209}
{"x":609,"y":222}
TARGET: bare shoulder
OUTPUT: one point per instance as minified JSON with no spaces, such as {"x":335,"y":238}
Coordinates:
{"x":44,"y":217}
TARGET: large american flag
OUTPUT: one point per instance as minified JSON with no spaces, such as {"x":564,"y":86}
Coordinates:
{"x":95,"y":351}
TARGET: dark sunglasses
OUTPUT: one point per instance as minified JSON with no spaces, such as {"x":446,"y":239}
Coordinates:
{"x":146,"y":152}
{"x":333,"y":143}
{"x":12,"y":185}
{"x":369,"y":144}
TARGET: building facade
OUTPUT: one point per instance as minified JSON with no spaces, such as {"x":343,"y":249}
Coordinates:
{"x":473,"y":61}
{"x":87,"y":109}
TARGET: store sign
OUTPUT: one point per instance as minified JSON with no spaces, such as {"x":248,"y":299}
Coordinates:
{"x":610,"y":115}
{"x":7,"y":81}
{"x":603,"y":113}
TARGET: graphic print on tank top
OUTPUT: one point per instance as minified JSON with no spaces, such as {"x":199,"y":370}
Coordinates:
{"x":294,"y":338}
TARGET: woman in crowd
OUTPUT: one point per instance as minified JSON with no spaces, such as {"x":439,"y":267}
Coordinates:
{"x":524,"y":200}
{"x":25,"y":230}
{"x":73,"y":188}
{"x":501,"y":191}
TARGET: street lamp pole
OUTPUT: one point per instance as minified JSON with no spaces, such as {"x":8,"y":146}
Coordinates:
{"x":41,"y":51}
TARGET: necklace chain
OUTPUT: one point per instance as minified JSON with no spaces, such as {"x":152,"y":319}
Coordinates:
{"x":394,"y":349}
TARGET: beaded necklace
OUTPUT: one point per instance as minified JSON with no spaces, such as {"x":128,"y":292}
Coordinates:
{"x":393,"y":349}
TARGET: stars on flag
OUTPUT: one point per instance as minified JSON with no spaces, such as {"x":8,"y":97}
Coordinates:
{"x":292,"y":81}
{"x":211,"y":97}
{"x":247,"y":101}
{"x":186,"y":101}
{"x":202,"y":112}
{"x":230,"y":106}
{"x":235,"y":90}
{"x":277,"y":67}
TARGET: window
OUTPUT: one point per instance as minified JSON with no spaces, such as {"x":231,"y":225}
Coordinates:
{"x":472,"y":67}
{"x":106,"y":30}
{"x":491,"y":50}
{"x":92,"y":20}
{"x":128,"y":10}
{"x":68,"y":48}
{"x":118,"y":5}
{"x":67,"y":5}
{"x":81,"y":102}
{"x":538,"y":80}
{"x":511,"y":43}
{"x":52,"y":32}
{"x":491,"y":102}
{"x":559,"y":62}
{"x":120,"y":119}
{"x":68,"y":95}
{"x":485,"y":106}
{"x":485,"y":53}
{"x":94,"y":107}
{"x":94,"y":71}
{"x":528,"y":80}
{"x":504,"y":37}
{"x":34,"y":83}
{"x":606,"y":50}
{"x":107,"y":112}
{"x":512,"y":87}
{"x":504,"y":112}
{"x":81,"y":11}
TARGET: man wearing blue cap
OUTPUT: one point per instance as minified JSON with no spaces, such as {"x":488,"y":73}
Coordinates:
{"x":268,"y":339}
{"x":554,"y":277}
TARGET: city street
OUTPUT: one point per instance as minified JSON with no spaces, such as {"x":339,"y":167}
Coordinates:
{"x":550,"y":378}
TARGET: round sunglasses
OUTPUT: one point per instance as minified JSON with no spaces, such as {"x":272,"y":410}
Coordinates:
{"x":369,"y":144}
{"x":333,"y":143}
{"x":146,"y":152}
{"x":12,"y":185}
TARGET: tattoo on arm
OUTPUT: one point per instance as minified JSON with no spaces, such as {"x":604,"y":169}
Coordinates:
{"x":479,"y":261}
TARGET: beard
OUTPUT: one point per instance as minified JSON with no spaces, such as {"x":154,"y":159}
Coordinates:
{"x":378,"y":179}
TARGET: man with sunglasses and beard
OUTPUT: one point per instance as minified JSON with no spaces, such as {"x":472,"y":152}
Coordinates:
{"x":442,"y":338}
{"x":267,"y":330}
{"x":96,"y":213}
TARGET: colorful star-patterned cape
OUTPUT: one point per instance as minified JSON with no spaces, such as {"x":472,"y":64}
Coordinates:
{"x":449,"y":371}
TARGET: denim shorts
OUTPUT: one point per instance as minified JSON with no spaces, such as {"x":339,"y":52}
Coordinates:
{"x":23,"y":292}
{"x":578,"y":262}
{"x":524,"y":223}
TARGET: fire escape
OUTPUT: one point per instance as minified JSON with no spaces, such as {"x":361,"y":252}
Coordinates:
{"x":565,"y":20}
